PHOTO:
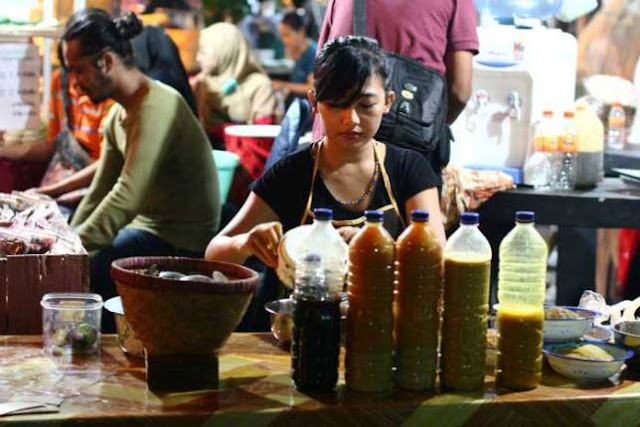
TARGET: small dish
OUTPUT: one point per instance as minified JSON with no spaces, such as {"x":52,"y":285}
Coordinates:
{"x":281,"y":313}
{"x":581,"y":368}
{"x":568,"y":329}
{"x":599,"y":334}
{"x":627,"y":333}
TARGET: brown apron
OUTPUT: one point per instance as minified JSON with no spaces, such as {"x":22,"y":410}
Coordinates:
{"x":393,"y":220}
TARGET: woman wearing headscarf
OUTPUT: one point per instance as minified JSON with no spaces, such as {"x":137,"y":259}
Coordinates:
{"x":232,"y":86}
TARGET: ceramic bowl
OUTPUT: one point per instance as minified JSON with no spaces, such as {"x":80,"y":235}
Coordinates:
{"x":627,"y":333}
{"x":562,"y":330}
{"x":171,"y":316}
{"x":580,"y":369}
{"x":599,"y":334}
{"x":281,"y":313}
{"x":127,"y":339}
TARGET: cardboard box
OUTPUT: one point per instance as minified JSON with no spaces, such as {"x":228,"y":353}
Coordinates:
{"x":24,"y":279}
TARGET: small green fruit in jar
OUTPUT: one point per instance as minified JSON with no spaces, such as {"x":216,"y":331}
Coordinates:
{"x":84,"y":336}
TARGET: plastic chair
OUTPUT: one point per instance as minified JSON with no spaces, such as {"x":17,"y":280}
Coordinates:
{"x":226,"y":164}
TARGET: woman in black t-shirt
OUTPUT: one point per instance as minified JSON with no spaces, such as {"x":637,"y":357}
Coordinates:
{"x":347,"y":171}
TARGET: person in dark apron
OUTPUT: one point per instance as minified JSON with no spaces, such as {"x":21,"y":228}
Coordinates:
{"x":347,"y":171}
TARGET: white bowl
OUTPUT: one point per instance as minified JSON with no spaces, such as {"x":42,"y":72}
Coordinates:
{"x":586,"y":369}
{"x":562,"y":330}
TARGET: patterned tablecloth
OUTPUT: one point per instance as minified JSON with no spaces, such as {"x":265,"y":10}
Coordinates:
{"x":110,"y":389}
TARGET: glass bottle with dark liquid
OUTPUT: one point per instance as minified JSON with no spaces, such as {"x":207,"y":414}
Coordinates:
{"x":315,"y":345}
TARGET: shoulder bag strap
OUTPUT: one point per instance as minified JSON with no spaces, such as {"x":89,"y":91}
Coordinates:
{"x":360,"y":17}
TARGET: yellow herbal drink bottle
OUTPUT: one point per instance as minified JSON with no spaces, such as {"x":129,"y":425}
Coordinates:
{"x":418,"y":286}
{"x":521,"y":293}
{"x":369,"y":343}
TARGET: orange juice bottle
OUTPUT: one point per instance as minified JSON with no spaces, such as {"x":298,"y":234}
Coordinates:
{"x":369,"y":343}
{"x":418,"y":285}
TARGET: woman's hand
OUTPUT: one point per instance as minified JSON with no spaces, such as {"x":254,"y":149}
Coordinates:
{"x":348,"y":232}
{"x":262,"y":241}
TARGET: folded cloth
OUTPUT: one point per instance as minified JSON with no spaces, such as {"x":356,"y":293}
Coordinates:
{"x":466,"y":189}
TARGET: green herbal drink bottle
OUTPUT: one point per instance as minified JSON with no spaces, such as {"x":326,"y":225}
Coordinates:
{"x":467,"y":270}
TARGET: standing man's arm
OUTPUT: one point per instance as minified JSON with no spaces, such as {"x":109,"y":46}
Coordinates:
{"x":462,"y":44}
{"x":459,"y":67}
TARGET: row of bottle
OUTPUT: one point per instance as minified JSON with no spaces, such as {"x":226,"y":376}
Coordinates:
{"x":567,"y":152}
{"x":382,"y":332}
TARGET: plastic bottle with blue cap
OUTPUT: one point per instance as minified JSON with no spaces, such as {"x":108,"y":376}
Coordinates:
{"x":467,"y":271}
{"x":315,"y":344}
{"x":369,"y":346}
{"x":419,"y":288}
{"x":323,"y":239}
{"x":521,"y":294}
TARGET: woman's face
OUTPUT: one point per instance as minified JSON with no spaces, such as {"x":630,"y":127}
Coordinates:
{"x":292,"y":40}
{"x":359,"y":122}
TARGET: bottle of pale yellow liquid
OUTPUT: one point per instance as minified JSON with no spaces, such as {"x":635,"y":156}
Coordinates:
{"x":419,"y":286}
{"x":467,"y":269}
{"x":521,"y":293}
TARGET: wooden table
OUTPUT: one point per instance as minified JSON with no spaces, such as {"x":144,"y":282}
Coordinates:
{"x":110,"y":389}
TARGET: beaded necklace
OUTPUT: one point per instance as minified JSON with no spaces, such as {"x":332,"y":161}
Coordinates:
{"x":367,"y":191}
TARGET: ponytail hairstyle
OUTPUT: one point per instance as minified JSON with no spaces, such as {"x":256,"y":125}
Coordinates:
{"x":97,"y":30}
{"x":343,"y":66}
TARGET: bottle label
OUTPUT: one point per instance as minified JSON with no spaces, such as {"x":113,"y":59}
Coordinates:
{"x":616,"y":122}
{"x":567,"y":144}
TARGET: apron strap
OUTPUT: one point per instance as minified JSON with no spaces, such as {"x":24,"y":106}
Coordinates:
{"x":340,"y":223}
{"x":387,"y":185}
{"x":316,"y":163}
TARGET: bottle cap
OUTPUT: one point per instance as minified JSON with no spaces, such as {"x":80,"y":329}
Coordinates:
{"x":323,"y":214}
{"x":470,"y":218}
{"x":568,"y":114}
{"x":547,"y":113}
{"x":375,"y":216}
{"x":420,"y":215}
{"x":525,"y":216}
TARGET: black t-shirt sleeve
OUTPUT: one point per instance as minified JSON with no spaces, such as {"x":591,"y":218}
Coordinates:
{"x":413,"y":173}
{"x":285,"y":187}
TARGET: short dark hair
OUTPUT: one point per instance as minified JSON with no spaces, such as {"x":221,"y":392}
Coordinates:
{"x":97,"y":30}
{"x":295,"y":20}
{"x":343,"y":66}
